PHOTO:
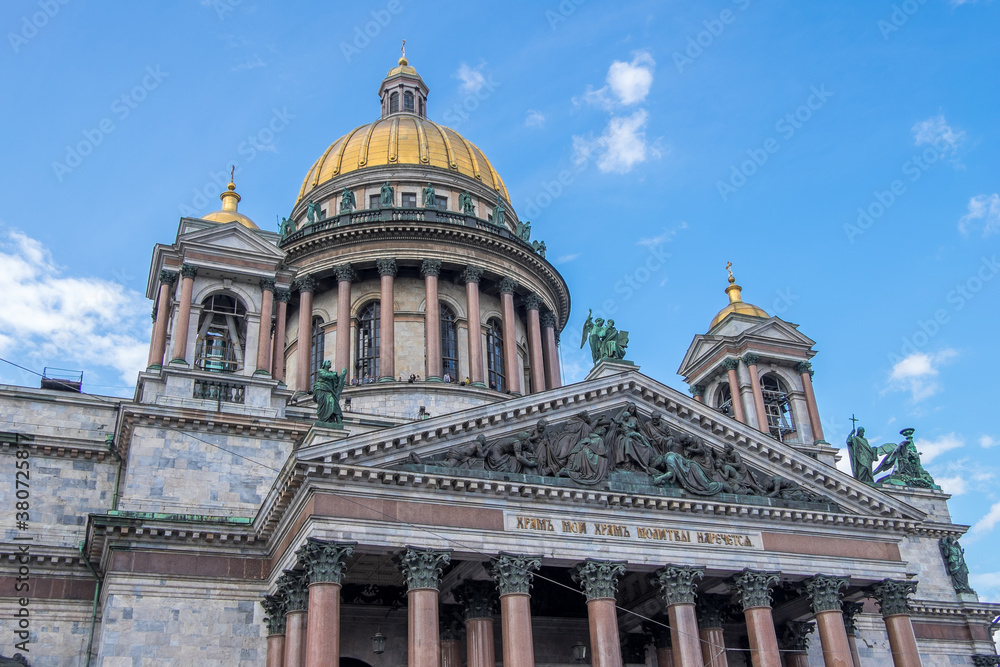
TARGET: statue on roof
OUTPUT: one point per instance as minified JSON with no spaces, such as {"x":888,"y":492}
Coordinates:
{"x":286,"y":228}
{"x":465,"y":204}
{"x":524,"y":231}
{"x":954,"y":561}
{"x":499,"y":215}
{"x":313,"y":213}
{"x":429,"y":199}
{"x":606,"y":341}
{"x":539,"y":247}
{"x":326,"y":392}
{"x":387,"y":196}
{"x":347,"y":202}
{"x":904,"y":461}
{"x":863,"y":455}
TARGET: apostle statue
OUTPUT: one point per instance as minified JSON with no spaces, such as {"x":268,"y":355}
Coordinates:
{"x":387,"y":196}
{"x":286,"y":228}
{"x":904,"y":461}
{"x":347,"y":202}
{"x":312,"y":212}
{"x":326,"y":392}
{"x":954,"y":561}
{"x":429,"y":199}
{"x":499,"y":216}
{"x":863,"y":455}
{"x":524,"y":231}
{"x":465,"y":204}
{"x":606,"y":341}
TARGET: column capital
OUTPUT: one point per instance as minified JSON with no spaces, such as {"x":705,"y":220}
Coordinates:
{"x":283,"y":295}
{"x":472,"y":274}
{"x":451,"y":625}
{"x":697,"y":390}
{"x":512,"y":572}
{"x":168,"y":277}
{"x":188,"y":271}
{"x":890,"y":594}
{"x":154,"y":313}
{"x":731,"y":364}
{"x":267,"y":284}
{"x":713,"y":610}
{"x":344,"y":272}
{"x":275,"y":607}
{"x":753,"y":587}
{"x":659,"y":631}
{"x":677,"y":583}
{"x":533,"y":302}
{"x":325,"y":561}
{"x":386,"y":266}
{"x":851,"y":610}
{"x":795,"y":635}
{"x":824,"y":592}
{"x":422,"y":567}
{"x":548,"y":319}
{"x":751,"y":359}
{"x":983,"y":660}
{"x":430,"y":267}
{"x":598,"y":578}
{"x":507,"y":285}
{"x":305,"y":284}
{"x":805,"y":367}
{"x":294,"y":586}
{"x":478,"y":599}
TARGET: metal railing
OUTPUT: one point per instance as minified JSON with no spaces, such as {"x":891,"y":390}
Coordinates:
{"x":218,"y":390}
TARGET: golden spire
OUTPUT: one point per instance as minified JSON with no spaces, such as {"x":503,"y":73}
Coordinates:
{"x":734,"y":291}
{"x":230,"y":197}
{"x":402,"y":59}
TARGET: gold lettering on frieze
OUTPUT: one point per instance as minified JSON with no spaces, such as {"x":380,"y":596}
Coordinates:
{"x":725,"y":539}
{"x":611,"y":529}
{"x":535,"y":523}
{"x":575,"y":527}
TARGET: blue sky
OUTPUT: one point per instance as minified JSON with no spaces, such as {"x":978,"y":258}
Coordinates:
{"x":842,"y":155}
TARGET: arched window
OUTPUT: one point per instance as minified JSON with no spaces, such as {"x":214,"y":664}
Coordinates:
{"x":407,"y":101}
{"x":420,"y":102}
{"x":367,"y":368}
{"x":777,"y":406}
{"x":394,"y":103}
{"x":222,"y":334}
{"x":724,"y":399}
{"x":494,"y":355}
{"x":449,"y":343}
{"x":316,"y":355}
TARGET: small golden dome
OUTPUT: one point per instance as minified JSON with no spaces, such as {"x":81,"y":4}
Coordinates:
{"x":402,"y":139}
{"x":230,"y":198}
{"x":736,"y":303}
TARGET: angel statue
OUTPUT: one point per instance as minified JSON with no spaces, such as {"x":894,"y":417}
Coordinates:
{"x":606,"y":341}
{"x":326,"y":392}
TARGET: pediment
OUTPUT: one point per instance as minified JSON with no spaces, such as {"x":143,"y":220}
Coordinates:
{"x":767,"y":332}
{"x":230,"y":237}
{"x":480,"y":443}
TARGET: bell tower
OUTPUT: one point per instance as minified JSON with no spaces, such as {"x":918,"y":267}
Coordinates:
{"x":756,"y":369}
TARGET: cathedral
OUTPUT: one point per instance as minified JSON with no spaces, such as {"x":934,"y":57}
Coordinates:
{"x":353,"y":445}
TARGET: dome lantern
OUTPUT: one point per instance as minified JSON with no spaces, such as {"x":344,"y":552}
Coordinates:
{"x":736,"y":302}
{"x":230,"y":199}
{"x":402,"y":90}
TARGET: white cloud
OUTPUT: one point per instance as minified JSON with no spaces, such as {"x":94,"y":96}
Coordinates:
{"x":563,"y":259}
{"x":630,"y":82}
{"x":988,"y":441}
{"x":987,"y":584}
{"x":63,"y":320}
{"x":534,"y":118}
{"x":955,"y":486}
{"x":984,"y":211}
{"x":917,"y":372}
{"x":987,"y":523}
{"x":844,"y":463}
{"x":665,"y":236}
{"x":620,"y":147}
{"x":249,"y":63}
{"x":472,"y":78}
{"x":931,"y":449}
{"x":935,"y":129}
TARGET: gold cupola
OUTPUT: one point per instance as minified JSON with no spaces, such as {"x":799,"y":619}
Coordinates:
{"x":402,"y":90}
{"x":736,"y":302}
{"x":230,"y":199}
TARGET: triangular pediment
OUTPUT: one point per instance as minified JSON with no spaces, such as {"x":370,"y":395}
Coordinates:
{"x":230,"y":237}
{"x":770,"y":333}
{"x":448,"y":444}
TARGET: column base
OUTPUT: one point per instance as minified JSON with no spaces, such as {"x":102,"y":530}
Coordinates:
{"x":478,"y":384}
{"x":155,"y":367}
{"x":433,"y":378}
{"x":180,"y":362}
{"x":260,"y":373}
{"x":387,"y":378}
{"x":822,"y":442}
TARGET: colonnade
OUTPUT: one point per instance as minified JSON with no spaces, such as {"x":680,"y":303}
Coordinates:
{"x":304,"y":622}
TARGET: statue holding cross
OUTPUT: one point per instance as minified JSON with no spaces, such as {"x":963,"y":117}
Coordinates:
{"x":862,"y":454}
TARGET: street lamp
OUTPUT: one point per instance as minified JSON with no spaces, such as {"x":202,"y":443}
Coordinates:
{"x":378,"y":643}
{"x":580,"y":652}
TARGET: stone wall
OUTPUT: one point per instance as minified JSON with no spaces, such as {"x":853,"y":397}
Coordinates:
{"x":60,"y":631}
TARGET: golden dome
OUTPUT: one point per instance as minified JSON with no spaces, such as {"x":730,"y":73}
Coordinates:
{"x":399,"y":139}
{"x":736,"y":303}
{"x":230,"y":199}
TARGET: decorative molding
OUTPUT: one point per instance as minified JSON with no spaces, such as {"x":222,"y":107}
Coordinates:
{"x":533,"y":302}
{"x":713,"y":610}
{"x":168,"y":277}
{"x":804,"y":367}
{"x":677,"y":583}
{"x":283,"y":295}
{"x":294,"y":586}
{"x":824,"y":592}
{"x":507,"y":285}
{"x":267,"y":284}
{"x":430,"y":267}
{"x":275,"y":607}
{"x":513,"y":573}
{"x":983,"y":660}
{"x":598,"y":578}
{"x":344,"y":273}
{"x":850,"y":611}
{"x":795,"y":636}
{"x":478,"y":599}
{"x":548,"y":319}
{"x":305,"y":284}
{"x":751,"y":359}
{"x":753,"y":587}
{"x":386,"y":266}
{"x":422,"y":567}
{"x":697,"y":390}
{"x":472,"y":274}
{"x":730,"y":364}
{"x":325,"y":561}
{"x":188,"y":271}
{"x":890,"y":594}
